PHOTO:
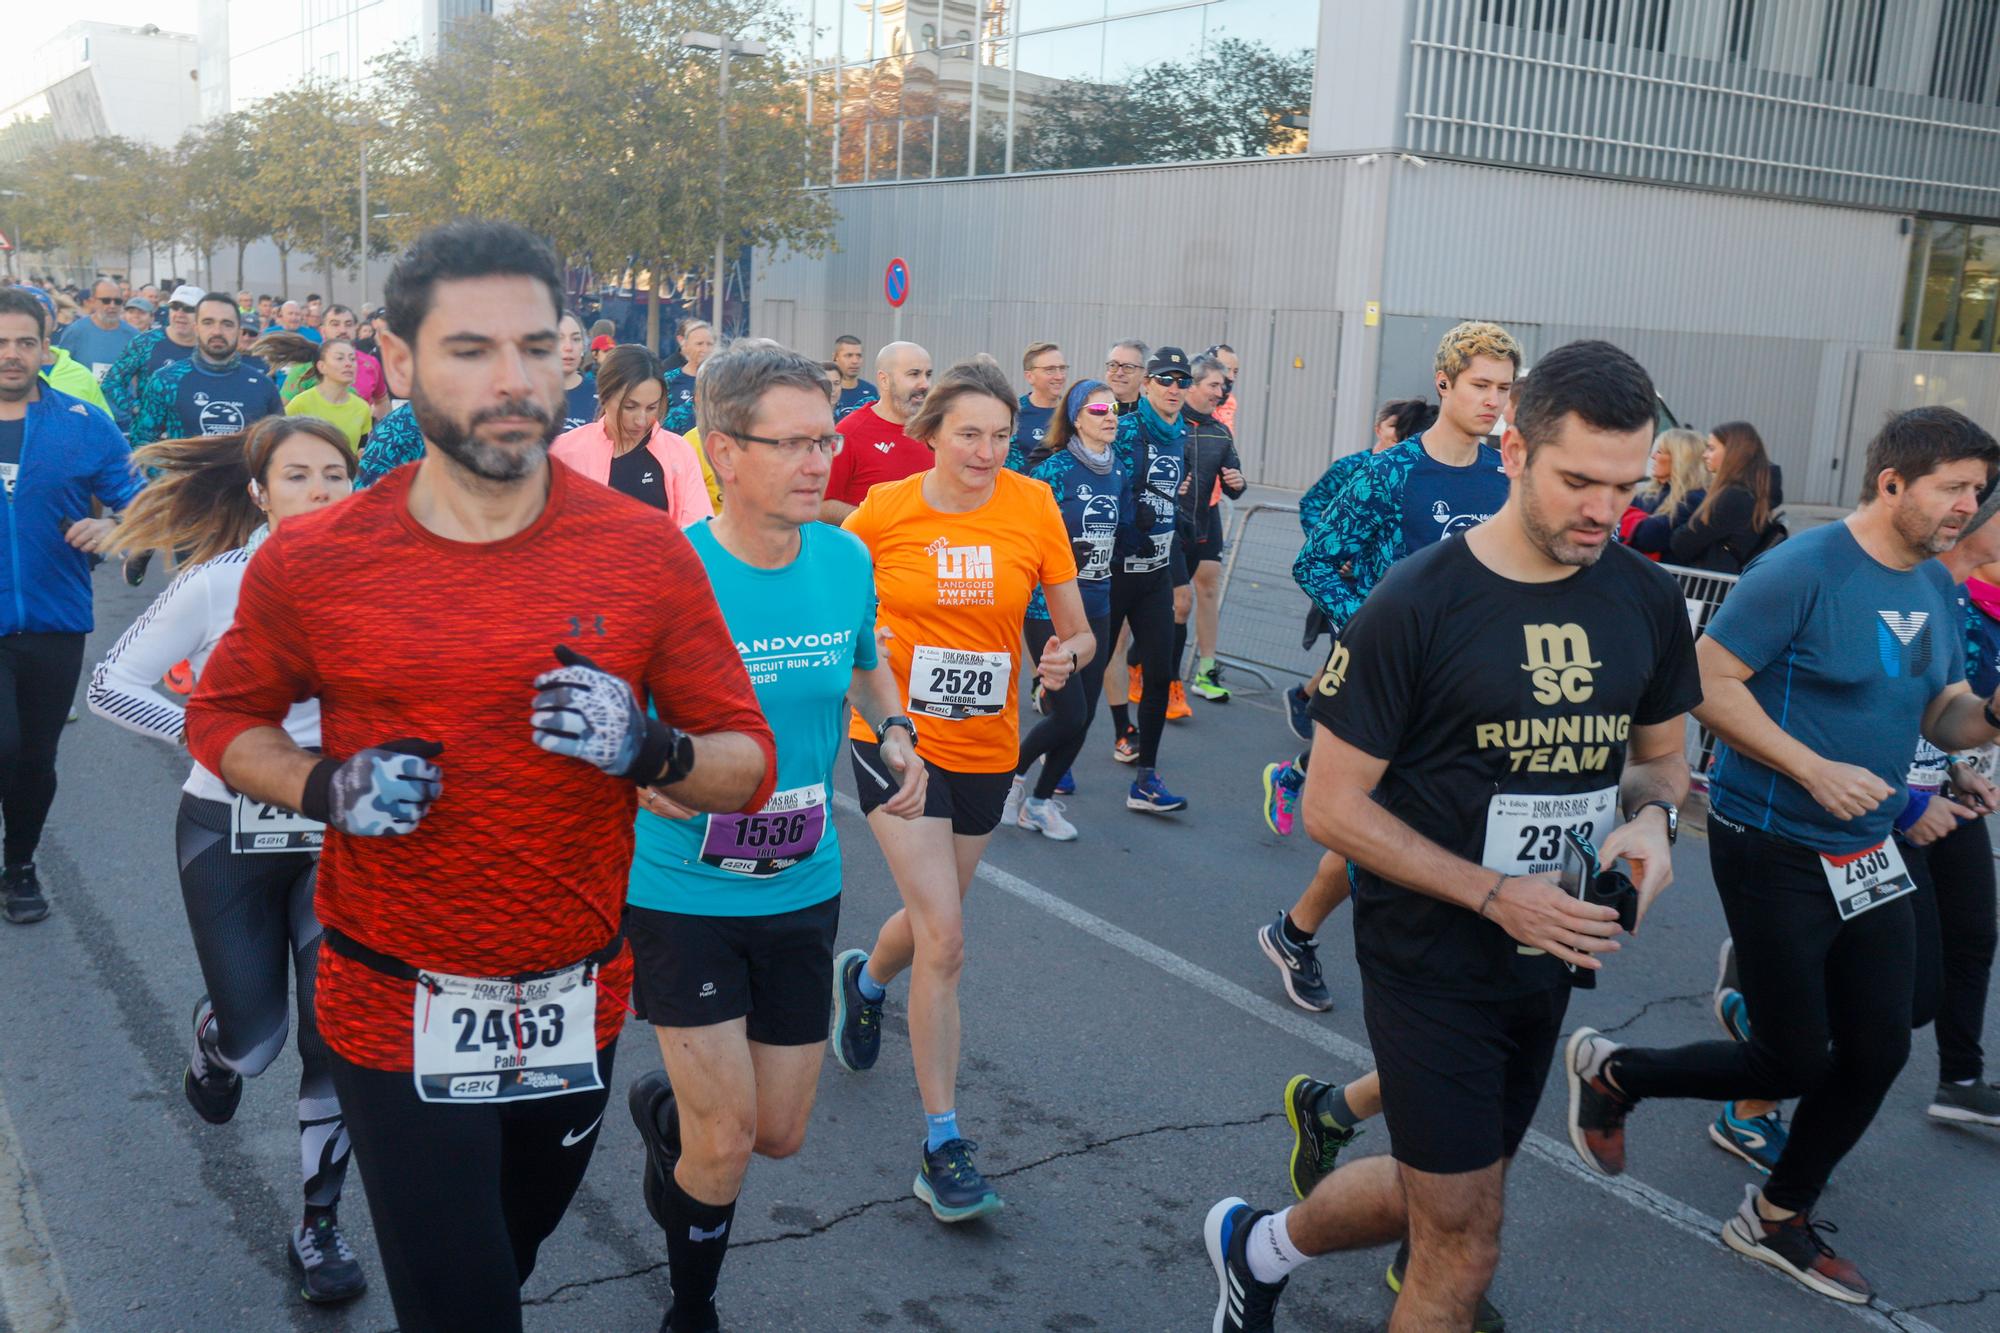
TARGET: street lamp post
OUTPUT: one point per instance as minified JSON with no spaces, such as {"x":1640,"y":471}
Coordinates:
{"x":724,"y":47}
{"x":363,"y":125}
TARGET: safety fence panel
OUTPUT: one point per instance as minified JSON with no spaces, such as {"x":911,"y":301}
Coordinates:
{"x":1263,"y":613}
{"x":1704,"y":591}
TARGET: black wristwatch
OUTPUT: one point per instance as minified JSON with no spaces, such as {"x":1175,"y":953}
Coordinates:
{"x":1673,"y":819}
{"x":1991,"y":721}
{"x":896,"y":720}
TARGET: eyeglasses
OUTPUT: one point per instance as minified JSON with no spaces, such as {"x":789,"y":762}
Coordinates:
{"x":1097,"y":409}
{"x":794,"y":445}
{"x":1057,"y":370}
{"x":1171,"y":381}
{"x":105,"y":300}
{"x":1123,"y":365}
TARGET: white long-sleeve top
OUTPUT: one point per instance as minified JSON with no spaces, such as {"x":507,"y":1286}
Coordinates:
{"x":186,"y":622}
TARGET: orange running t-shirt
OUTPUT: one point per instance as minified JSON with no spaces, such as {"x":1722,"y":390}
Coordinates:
{"x":952,"y":590}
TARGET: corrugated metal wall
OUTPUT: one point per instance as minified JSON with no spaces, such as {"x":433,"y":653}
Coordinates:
{"x":1728,"y":300}
{"x":1243,"y":254}
{"x":1887,"y":382}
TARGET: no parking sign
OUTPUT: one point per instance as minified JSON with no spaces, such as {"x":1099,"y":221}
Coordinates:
{"x":896,"y":283}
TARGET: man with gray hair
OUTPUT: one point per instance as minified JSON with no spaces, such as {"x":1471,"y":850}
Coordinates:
{"x":877,"y":450}
{"x":1125,"y":372}
{"x":732,"y":917}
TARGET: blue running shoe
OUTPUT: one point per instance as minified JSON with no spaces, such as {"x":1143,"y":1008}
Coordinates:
{"x":1153,"y":797}
{"x":1242,"y":1303}
{"x":1282,"y":783}
{"x":1066,"y":784}
{"x":1758,"y":1140}
{"x":857,"y":1020}
{"x":1298,"y":712}
{"x":1733,"y":1012}
{"x":952,"y":1185}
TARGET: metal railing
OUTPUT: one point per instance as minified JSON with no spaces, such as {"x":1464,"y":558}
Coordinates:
{"x":1261,"y":624}
{"x":1704,"y":591}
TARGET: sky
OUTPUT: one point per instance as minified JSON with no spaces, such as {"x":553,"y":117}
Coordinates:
{"x":29,"y":25}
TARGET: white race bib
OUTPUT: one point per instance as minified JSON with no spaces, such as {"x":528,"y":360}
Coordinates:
{"x":257,"y":826}
{"x":1929,"y":769}
{"x":8,"y":473}
{"x":955,"y":683}
{"x":1867,"y":879}
{"x":482,"y":1039}
{"x":1524,"y":834}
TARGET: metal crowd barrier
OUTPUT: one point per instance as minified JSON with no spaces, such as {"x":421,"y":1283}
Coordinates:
{"x":1704,"y":592}
{"x":1263,"y":613}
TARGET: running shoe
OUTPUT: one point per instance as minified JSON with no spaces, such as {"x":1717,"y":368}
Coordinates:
{"x":1757,"y":1139}
{"x":952,"y":1185}
{"x":1282,"y":782}
{"x":135,"y":567}
{"x":1972,"y":1103}
{"x":1298,"y":712}
{"x":1797,"y":1248}
{"x":1153,"y":797}
{"x":1010,"y":810}
{"x":1725,"y":966}
{"x":179,"y":678}
{"x":1135,"y":679}
{"x":857,"y":1021}
{"x":1486,"y":1319}
{"x":1316,"y":1139}
{"x":72,"y":718}
{"x":1177,"y":704}
{"x":1126,"y":748}
{"x":1242,"y":1303}
{"x":1733,"y":1013}
{"x":212,"y":1088}
{"x":1046,"y":818}
{"x":1208,"y":684}
{"x":328,"y":1271}
{"x":1066,"y":784}
{"x":1298,"y":964}
{"x":25,"y":904}
{"x":1597,"y":1110}
{"x":658,"y":1116}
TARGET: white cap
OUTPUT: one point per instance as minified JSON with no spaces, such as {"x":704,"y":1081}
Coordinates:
{"x":186,"y":295}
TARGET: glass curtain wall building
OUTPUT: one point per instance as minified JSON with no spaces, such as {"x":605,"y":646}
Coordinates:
{"x":906,"y":90}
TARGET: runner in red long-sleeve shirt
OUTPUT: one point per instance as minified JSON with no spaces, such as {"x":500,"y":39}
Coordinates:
{"x":483,"y":632}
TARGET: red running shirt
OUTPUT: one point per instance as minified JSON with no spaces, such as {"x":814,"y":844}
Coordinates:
{"x":522,"y":863}
{"x":876,"y":451}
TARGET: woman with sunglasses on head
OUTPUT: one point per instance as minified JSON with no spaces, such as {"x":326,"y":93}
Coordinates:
{"x":627,"y":449}
{"x":958,"y":551}
{"x":248,"y":869}
{"x":1094,"y":492}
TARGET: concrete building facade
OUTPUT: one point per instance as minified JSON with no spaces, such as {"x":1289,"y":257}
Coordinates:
{"x":1788,"y":209}
{"x":106,"y":79}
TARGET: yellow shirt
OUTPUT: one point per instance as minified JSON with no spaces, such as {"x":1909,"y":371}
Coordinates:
{"x":352,"y":415}
{"x":693,"y":437}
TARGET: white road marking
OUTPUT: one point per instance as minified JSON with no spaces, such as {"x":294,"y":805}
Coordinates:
{"x":1680,"y":1216}
{"x":32,"y":1292}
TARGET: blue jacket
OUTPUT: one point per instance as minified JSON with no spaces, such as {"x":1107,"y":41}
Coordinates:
{"x":677,"y":410}
{"x":1312,"y":505}
{"x":1155,"y":463}
{"x":1360,"y":535}
{"x":70,"y":452}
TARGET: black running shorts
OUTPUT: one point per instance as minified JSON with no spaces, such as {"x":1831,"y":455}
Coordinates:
{"x":971,"y":801}
{"x":697,"y":971}
{"x":1460,"y":1078}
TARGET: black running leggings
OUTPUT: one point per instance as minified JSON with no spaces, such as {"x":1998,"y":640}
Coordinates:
{"x":38,"y":675}
{"x":1058,"y":738}
{"x":1830,"y":1006}
{"x":1146,"y":602}
{"x":254,"y":931}
{"x":463,"y":1196}
{"x":1955,"y":939}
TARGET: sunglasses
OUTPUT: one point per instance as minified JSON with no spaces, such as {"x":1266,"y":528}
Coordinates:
{"x":1172,"y":381}
{"x":1097,"y":409}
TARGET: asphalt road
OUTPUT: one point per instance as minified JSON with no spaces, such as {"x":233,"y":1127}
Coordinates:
{"x":1126,"y":1049}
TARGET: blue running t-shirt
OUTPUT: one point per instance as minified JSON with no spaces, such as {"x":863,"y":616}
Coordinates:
{"x":1846,"y":653}
{"x":802,"y":630}
{"x":1440,"y":500}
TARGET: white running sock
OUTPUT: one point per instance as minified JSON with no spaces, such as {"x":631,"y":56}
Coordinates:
{"x":1270,"y":1250}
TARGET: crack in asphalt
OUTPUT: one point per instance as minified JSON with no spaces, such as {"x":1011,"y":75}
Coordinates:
{"x":1973,"y":1299}
{"x":1648,"y":1008}
{"x":848,"y":1214}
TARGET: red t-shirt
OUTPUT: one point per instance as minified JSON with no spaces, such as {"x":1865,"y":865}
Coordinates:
{"x":522,"y":863}
{"x":876,"y":451}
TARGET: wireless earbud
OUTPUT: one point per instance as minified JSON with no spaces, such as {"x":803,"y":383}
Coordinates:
{"x":1889,"y":486}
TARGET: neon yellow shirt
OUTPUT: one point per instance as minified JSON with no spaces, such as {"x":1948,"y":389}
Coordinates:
{"x":351,"y":415}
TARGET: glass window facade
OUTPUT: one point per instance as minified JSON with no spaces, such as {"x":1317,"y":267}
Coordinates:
{"x":1954,"y":287}
{"x":933,"y":89}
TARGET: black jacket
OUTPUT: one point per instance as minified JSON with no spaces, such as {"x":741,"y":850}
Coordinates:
{"x":1725,"y":540}
{"x":1210,"y":448}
